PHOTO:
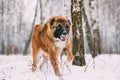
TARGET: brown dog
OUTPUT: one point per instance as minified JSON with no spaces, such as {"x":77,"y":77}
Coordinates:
{"x":53,"y":38}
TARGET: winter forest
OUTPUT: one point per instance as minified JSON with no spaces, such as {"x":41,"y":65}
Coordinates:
{"x":17,"y":18}
{"x":95,"y":38}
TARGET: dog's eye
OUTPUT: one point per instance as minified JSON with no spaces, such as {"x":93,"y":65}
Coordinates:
{"x":66,"y":26}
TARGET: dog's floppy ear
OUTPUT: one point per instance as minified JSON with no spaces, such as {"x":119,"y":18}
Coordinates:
{"x":52,"y":21}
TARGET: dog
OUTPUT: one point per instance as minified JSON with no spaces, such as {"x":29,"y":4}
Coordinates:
{"x":52,"y":38}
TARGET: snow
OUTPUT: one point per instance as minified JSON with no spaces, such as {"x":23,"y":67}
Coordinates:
{"x":18,"y":67}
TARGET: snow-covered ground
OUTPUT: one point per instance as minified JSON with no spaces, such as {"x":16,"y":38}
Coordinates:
{"x":18,"y":67}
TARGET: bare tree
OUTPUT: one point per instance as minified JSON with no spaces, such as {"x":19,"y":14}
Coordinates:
{"x":95,"y":27}
{"x":88,"y":32}
{"x":29,"y":38}
{"x":78,"y":39}
{"x":2,"y":29}
{"x":41,"y":12}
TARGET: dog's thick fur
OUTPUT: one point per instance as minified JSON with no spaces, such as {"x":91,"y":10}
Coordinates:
{"x":43,"y":39}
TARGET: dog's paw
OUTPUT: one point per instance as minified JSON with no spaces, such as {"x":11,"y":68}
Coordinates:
{"x":60,"y":78}
{"x":33,"y":68}
{"x":69,"y":66}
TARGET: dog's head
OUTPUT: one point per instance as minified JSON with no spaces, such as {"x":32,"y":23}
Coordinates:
{"x":60,"y":26}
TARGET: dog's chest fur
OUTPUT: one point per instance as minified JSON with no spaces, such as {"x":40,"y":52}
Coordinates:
{"x":60,"y":45}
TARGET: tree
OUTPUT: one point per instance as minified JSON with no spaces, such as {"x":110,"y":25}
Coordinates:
{"x":88,"y":33}
{"x":2,"y":29}
{"x":41,"y":12}
{"x":29,"y":38}
{"x":78,"y":39}
{"x":95,"y":27}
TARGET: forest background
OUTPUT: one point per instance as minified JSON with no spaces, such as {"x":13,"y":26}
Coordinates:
{"x":17,"y":19}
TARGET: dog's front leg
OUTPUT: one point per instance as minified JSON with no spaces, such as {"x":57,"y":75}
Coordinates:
{"x":54,"y":61}
{"x":68,"y":50}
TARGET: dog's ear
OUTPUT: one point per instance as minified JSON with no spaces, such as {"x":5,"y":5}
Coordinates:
{"x":52,"y":21}
{"x":69,"y":22}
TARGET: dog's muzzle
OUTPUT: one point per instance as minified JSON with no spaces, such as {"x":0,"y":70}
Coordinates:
{"x":65,"y":33}
{"x":63,"y":37}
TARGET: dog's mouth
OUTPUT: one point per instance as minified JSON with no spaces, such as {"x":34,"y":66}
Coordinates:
{"x":63,"y":37}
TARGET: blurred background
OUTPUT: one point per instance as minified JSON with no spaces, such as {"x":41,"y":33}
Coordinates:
{"x":18,"y":17}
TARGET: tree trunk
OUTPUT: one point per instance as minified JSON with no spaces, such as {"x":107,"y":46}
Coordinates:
{"x":78,"y":39}
{"x":88,"y":33}
{"x":41,"y":12}
{"x":29,"y":38}
{"x":2,"y":29}
{"x":95,"y":27}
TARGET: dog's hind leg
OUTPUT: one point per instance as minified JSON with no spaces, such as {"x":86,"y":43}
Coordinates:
{"x":35,"y":58}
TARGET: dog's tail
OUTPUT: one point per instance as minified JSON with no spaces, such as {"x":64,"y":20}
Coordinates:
{"x":38,"y":27}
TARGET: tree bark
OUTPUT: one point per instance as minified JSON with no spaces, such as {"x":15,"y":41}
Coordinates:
{"x":78,"y":39}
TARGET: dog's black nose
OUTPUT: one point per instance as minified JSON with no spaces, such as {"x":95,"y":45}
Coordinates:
{"x":65,"y":32}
